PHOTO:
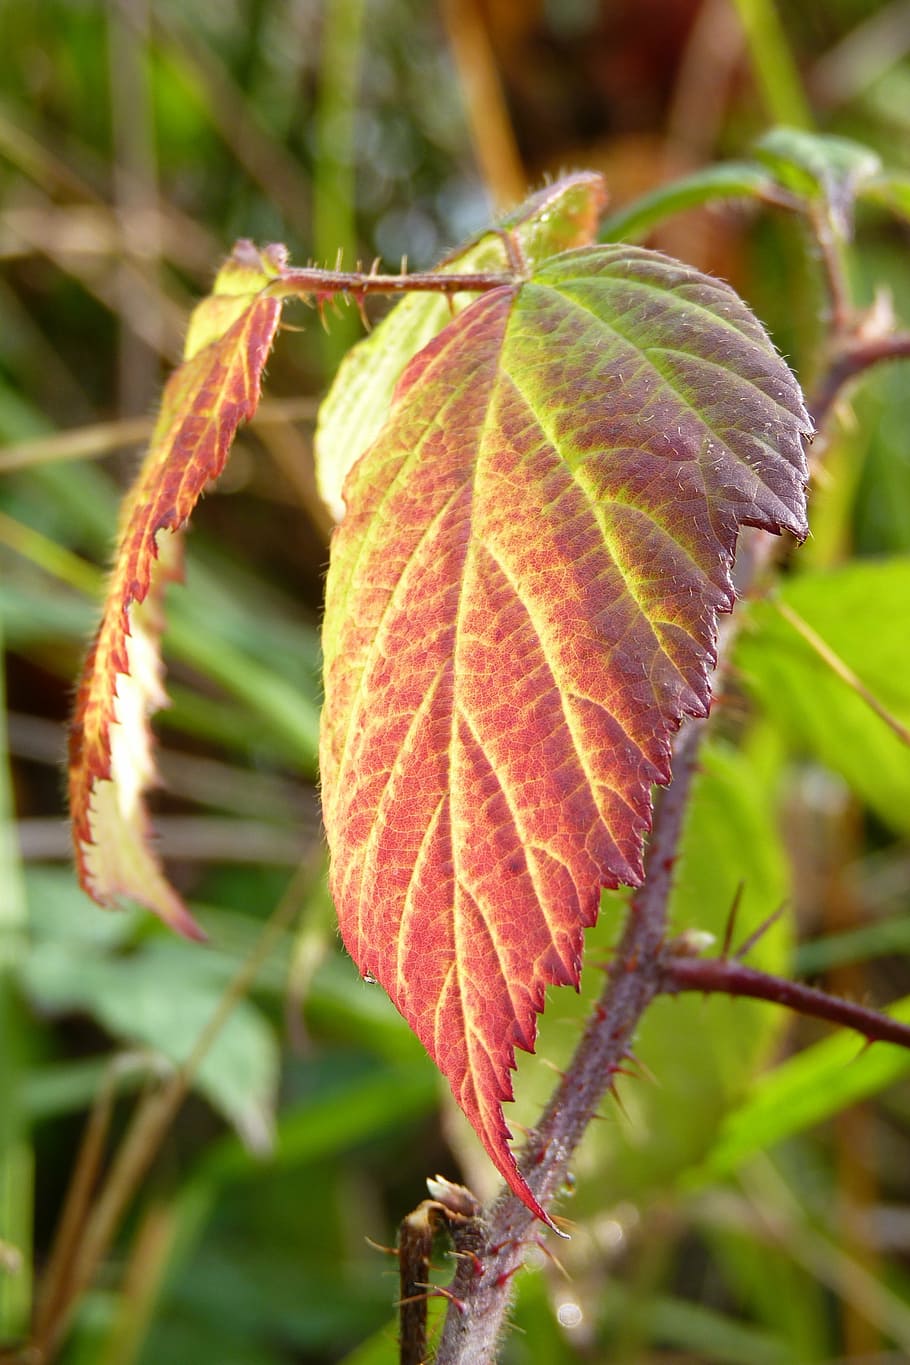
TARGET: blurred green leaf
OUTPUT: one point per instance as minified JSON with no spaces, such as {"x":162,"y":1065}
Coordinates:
{"x":538,"y":1335}
{"x":770,"y":1287}
{"x":820,"y":168}
{"x":881,"y":939}
{"x":890,"y":190}
{"x":163,"y":995}
{"x":711,"y":1335}
{"x":256,"y":1291}
{"x":353,"y":1104}
{"x":856,"y":610}
{"x":60,"y":912}
{"x":773,"y":62}
{"x":16,"y":1157}
{"x":709,"y":185}
{"x":818,"y":1082}
{"x":379,"y":1349}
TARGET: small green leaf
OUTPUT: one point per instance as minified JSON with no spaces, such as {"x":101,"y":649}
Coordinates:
{"x":818,"y":1082}
{"x":162,"y":997}
{"x":890,"y":190}
{"x":820,"y":169}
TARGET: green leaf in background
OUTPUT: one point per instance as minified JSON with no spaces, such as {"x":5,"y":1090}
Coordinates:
{"x":708,"y":185}
{"x":802,"y":1091}
{"x":561,"y":216}
{"x":820,"y":169}
{"x":889,"y":191}
{"x":859,"y":611}
{"x":162,"y":996}
{"x":16,"y":1157}
{"x":766,"y":1282}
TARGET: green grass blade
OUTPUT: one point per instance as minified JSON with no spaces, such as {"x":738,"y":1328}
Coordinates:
{"x":775,"y":70}
{"x":801,"y":1092}
{"x":15,"y":1153}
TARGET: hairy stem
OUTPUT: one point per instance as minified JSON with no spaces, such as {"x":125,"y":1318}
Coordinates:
{"x":830,"y":247}
{"x":326,"y":284}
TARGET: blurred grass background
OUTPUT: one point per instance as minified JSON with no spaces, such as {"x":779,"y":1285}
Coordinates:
{"x":138,"y":138}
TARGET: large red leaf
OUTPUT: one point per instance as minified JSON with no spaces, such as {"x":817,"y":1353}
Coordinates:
{"x":521,"y":607}
{"x":111,"y":765}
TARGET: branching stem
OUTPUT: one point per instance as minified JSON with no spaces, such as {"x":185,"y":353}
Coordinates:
{"x":850,"y":360}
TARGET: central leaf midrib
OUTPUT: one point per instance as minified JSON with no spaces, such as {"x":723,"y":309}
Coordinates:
{"x":562,"y":692}
{"x":609,"y":540}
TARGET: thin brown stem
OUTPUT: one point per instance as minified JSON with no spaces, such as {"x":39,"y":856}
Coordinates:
{"x":78,"y":1200}
{"x":850,"y":361}
{"x":727,"y":976}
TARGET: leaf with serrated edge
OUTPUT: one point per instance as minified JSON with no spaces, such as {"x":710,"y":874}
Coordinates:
{"x":521,"y":607}
{"x":111,"y":765}
{"x":557,"y":217}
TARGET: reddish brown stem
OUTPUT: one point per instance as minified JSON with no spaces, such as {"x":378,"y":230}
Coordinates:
{"x":850,"y":361}
{"x":325,"y":284}
{"x":730,"y":977}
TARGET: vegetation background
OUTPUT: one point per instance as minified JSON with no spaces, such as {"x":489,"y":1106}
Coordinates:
{"x":748,"y":1205}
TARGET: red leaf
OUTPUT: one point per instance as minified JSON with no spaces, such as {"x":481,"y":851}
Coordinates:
{"x":521,"y":606}
{"x":110,"y":765}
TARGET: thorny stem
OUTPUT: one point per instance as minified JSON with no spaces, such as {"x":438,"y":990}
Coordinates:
{"x":481,"y":1289}
{"x":325,"y":284}
{"x":730,"y":977}
{"x":472,"y":1330}
{"x":830,"y":247}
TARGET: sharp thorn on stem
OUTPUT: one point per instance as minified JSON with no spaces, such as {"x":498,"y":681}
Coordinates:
{"x":730,"y":926}
{"x":749,"y":943}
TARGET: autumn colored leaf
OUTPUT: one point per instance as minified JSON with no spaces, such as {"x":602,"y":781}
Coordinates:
{"x":560,"y":216}
{"x":521,"y":608}
{"x":110,"y":767}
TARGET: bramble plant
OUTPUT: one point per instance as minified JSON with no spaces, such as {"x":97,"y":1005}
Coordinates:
{"x":541,"y":462}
